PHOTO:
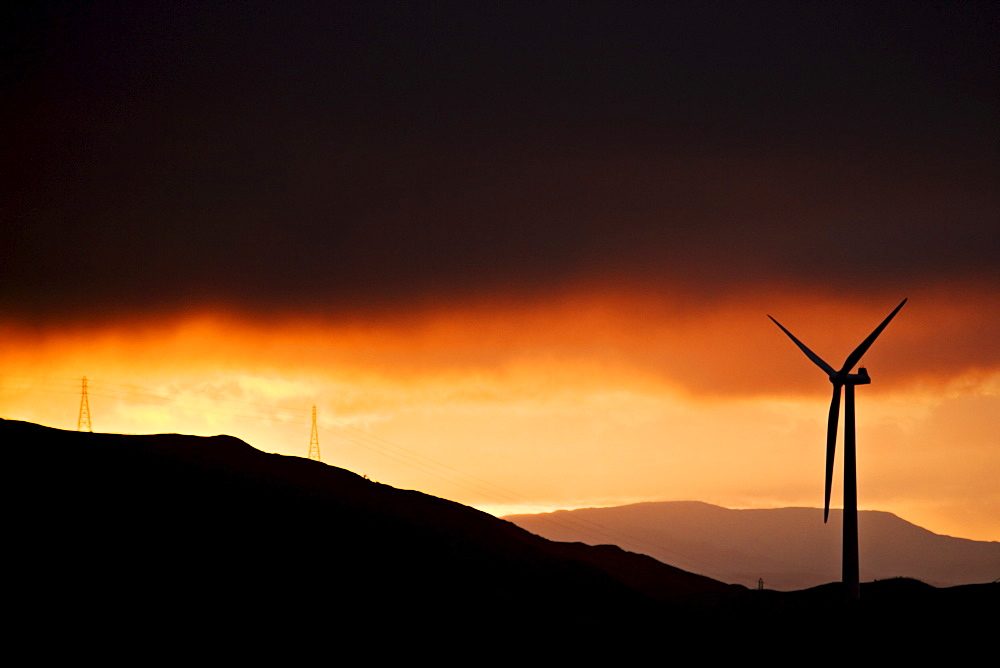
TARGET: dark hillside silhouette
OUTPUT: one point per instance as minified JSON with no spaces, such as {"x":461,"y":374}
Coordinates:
{"x":149,"y":522}
{"x":174,"y":536}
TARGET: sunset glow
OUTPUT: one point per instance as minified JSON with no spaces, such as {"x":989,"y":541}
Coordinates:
{"x":585,"y":400}
{"x":517,"y":255}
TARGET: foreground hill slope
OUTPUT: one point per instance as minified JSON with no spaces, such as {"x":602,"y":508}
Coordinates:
{"x":156,"y":520}
{"x":789,"y":548}
{"x":171,"y":537}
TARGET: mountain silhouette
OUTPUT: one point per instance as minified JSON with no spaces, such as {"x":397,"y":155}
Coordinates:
{"x":789,"y":548}
{"x":171,"y":537}
{"x":172,"y":518}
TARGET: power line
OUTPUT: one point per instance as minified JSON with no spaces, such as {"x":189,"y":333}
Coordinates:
{"x":424,"y":464}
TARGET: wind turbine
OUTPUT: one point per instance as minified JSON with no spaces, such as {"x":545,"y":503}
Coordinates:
{"x":845,"y":379}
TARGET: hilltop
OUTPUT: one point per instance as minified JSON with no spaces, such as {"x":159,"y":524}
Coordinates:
{"x":150,"y":521}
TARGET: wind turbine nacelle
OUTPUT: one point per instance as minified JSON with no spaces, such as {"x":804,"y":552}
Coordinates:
{"x":859,"y":378}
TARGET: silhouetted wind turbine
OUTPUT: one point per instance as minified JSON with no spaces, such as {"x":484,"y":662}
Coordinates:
{"x":844,"y":378}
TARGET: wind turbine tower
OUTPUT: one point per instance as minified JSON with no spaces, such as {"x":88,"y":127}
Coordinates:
{"x":846,"y":380}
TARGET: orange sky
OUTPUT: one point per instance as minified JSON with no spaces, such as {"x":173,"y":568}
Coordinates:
{"x":517,"y":256}
{"x":585,"y":398}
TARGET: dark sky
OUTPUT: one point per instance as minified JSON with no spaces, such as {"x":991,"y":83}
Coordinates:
{"x":328,"y":156}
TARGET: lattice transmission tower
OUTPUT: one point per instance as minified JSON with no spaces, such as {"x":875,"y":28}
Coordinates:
{"x":83,"y":422}
{"x":314,"y":440}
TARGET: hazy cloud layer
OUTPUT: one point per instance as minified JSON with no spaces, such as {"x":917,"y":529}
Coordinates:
{"x":325,"y":159}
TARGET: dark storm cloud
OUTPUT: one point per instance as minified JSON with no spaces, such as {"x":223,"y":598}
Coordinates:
{"x":326,"y":155}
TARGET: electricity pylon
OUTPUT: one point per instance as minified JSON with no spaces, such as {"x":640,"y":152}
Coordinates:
{"x":83,"y":422}
{"x":314,"y":440}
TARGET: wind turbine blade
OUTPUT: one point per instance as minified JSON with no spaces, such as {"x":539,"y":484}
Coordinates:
{"x":810,"y":354}
{"x":856,"y":356}
{"x":831,"y":447}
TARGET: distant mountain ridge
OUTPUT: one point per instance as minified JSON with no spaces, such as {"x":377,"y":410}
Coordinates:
{"x":789,"y":548}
